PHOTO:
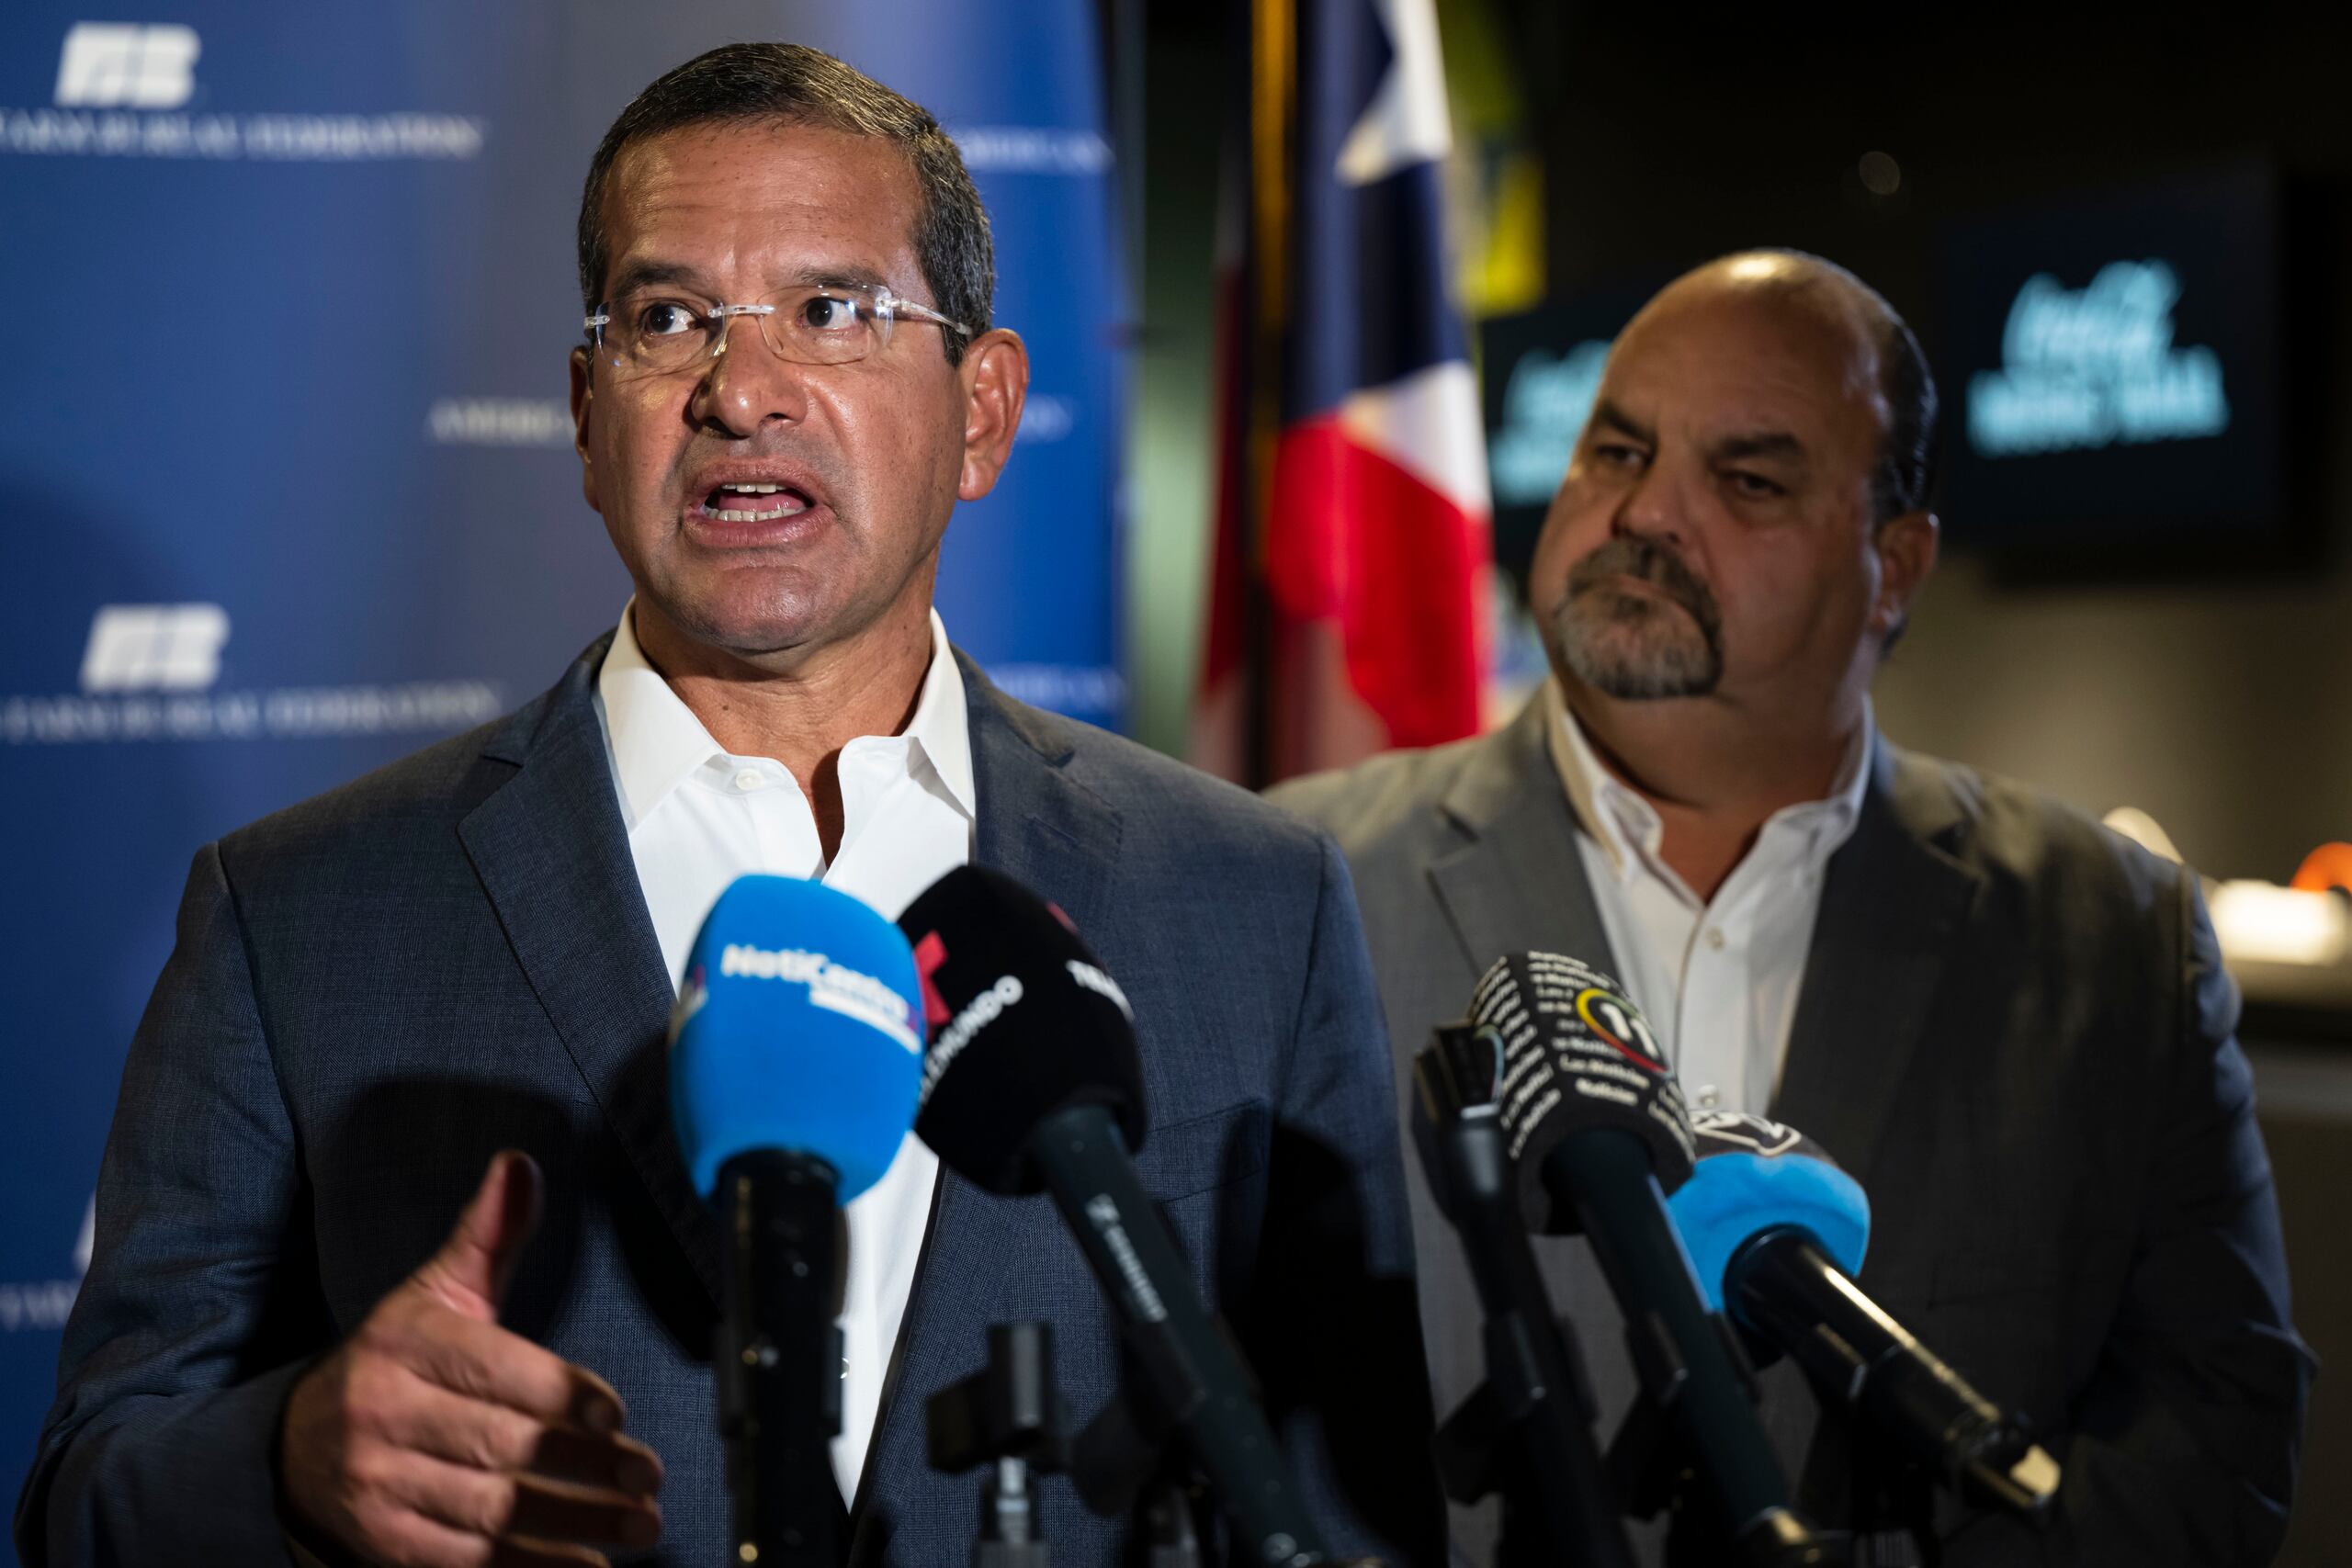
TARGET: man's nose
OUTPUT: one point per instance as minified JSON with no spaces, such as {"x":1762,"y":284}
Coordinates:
{"x":746,"y":385}
{"x":1656,"y":505}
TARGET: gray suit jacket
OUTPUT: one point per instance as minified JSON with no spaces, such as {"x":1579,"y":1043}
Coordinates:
{"x":374,"y":990}
{"x":2014,"y":1031}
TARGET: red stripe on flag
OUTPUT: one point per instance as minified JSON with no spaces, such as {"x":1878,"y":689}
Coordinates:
{"x":1355,"y":537}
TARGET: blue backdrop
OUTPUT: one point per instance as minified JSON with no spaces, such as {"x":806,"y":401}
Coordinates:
{"x":261,"y":529}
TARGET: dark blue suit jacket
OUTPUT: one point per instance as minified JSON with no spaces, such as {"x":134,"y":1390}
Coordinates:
{"x":375,"y":991}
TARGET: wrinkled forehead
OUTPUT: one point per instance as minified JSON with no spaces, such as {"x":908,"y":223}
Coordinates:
{"x":760,"y":203}
{"x":1705,"y":361}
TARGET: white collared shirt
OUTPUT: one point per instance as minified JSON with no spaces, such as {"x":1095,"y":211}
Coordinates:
{"x":699,"y":817}
{"x":1717,"y":979}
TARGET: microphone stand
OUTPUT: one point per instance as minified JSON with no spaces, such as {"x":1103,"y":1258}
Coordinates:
{"x":1128,"y":1461}
{"x":1526,"y":1432}
{"x":1008,"y":1418}
{"x":779,"y":1355}
{"x":1654,"y":1472}
{"x":1890,"y":1494}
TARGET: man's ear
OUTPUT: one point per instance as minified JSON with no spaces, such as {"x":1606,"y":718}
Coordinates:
{"x":1907,"y":554}
{"x":995,"y":376}
{"x":583,"y":400}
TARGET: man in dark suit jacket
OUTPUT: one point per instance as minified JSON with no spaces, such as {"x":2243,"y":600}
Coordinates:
{"x":2011,"y":1025}
{"x":281,"y":1348}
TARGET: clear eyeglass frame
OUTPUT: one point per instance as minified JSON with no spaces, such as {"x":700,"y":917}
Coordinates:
{"x":782,"y":315}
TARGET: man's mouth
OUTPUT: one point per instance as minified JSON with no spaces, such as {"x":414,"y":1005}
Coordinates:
{"x":752,"y":502}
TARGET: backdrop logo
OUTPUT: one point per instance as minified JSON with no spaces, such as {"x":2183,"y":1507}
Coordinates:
{"x":1046,"y":418}
{"x":499,"y":422}
{"x":2088,"y":368}
{"x":122,"y":88}
{"x":44,"y":1304}
{"x":161,"y":648}
{"x":1032,"y":150}
{"x":109,"y":66}
{"x":148,"y":672}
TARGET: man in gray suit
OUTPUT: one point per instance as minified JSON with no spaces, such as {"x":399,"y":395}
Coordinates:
{"x":2010,"y":1025}
{"x":790,"y":378}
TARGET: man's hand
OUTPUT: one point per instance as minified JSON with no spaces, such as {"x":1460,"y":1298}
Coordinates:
{"x":435,"y":1438}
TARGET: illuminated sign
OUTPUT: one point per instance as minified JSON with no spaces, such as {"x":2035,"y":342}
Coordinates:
{"x":2088,"y":368}
{"x":2113,"y":372}
{"x":1539,"y":373}
{"x":1546,"y":397}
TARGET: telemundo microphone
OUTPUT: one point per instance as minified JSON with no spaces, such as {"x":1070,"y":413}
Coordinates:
{"x":1778,"y":1232}
{"x":795,"y":1064}
{"x":1597,"y":1129}
{"x":1033,"y":1082}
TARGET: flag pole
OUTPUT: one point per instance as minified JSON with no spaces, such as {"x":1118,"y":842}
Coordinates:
{"x":1272,"y":99}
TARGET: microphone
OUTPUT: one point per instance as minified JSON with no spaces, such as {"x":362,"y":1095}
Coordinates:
{"x":795,"y":1064}
{"x":1778,"y":1232}
{"x":1553,"y":1483}
{"x":1596,"y":1126}
{"x":1033,"y":1082}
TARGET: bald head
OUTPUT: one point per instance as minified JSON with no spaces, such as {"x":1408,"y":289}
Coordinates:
{"x":1843,"y":318}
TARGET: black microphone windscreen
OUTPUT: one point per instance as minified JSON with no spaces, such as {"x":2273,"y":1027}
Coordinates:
{"x":1576,"y":1055}
{"x":1023,"y":1024}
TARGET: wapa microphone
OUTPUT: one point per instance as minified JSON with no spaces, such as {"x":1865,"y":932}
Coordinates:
{"x":1033,"y":1082}
{"x":795,"y":1064}
{"x":1777,"y":1232}
{"x":1596,"y":1126}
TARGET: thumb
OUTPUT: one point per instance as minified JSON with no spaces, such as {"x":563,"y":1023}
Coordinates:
{"x":471,"y":1272}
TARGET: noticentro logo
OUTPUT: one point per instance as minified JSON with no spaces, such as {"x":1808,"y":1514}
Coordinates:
{"x":833,"y":986}
{"x":109,"y":66}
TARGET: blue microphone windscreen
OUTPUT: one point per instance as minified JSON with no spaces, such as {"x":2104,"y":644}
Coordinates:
{"x":1743,"y":1186}
{"x":799,"y":1027}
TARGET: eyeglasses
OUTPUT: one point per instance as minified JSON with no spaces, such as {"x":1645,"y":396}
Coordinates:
{"x":653,"y":334}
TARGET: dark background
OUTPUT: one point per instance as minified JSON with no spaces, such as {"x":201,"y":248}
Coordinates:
{"x":2205,"y":681}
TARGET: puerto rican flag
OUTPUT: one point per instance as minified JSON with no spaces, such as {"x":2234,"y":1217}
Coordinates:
{"x":1349,"y":587}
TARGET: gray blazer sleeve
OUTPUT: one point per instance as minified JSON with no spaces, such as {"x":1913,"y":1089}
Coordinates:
{"x":198,"y":1310}
{"x":2183,"y":1449}
{"x":1336,"y":1334}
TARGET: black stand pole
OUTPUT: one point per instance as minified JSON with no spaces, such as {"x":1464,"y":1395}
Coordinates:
{"x":1167,"y":1533}
{"x":1527,"y":1432}
{"x":1008,"y":1418}
{"x":1690,"y":1364}
{"x":778,"y":1362}
{"x":1180,"y":1357}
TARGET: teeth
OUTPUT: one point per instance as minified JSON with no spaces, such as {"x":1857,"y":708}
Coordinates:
{"x":730,"y":514}
{"x":752,"y":489}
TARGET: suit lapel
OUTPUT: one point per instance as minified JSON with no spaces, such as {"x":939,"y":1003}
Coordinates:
{"x":552,"y":853}
{"x":1518,"y":880}
{"x":1038,"y":826}
{"x":1891,"y":903}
